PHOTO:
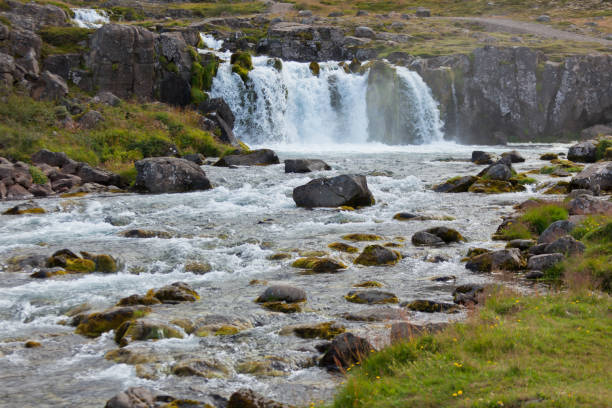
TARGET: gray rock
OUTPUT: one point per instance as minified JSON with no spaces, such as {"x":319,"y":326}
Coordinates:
{"x":430,"y":306}
{"x":219,"y":106}
{"x":444,"y":234}
{"x":170,"y":175}
{"x":595,"y":131}
{"x":345,"y":349}
{"x":305,"y":13}
{"x":361,"y":13}
{"x":499,"y":172}
{"x":49,"y":86}
{"x":555,"y":231}
{"x":253,"y":158}
{"x":196,"y":158}
{"x":245,"y":398}
{"x":364,"y":32}
{"x":544,"y":18}
{"x":344,"y":190}
{"x":460,"y":185}
{"x":376,"y":314}
{"x":544,"y":261}
{"x":282,"y":293}
{"x":515,"y":157}
{"x":596,"y":177}
{"x":106,"y":98}
{"x":305,"y":165}
{"x":371,"y":297}
{"x":566,"y":245}
{"x":336,"y":14}
{"x":521,"y":244}
{"x":90,"y":174}
{"x":505,"y":260}
{"x":583,"y":152}
{"x":534,"y":275}
{"x":56,"y":159}
{"x":423,"y":238}
{"x":32,"y":16}
{"x":91,"y":119}
{"x":17,"y":192}
{"x":589,"y":205}
{"x":467,"y":294}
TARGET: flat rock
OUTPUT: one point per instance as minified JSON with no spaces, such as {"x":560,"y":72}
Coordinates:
{"x":344,"y":190}
{"x":282,"y":293}
{"x":543,"y":262}
{"x":371,"y":297}
{"x":305,"y":165}
{"x":259,"y":157}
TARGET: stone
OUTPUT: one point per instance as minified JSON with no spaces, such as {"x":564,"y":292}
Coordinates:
{"x":422,"y":12}
{"x":499,"y":172}
{"x":345,"y":350}
{"x":17,"y":192}
{"x":49,"y":86}
{"x":218,"y":325}
{"x":344,"y":190}
{"x":106,"y":98}
{"x":206,"y":368}
{"x":430,"y":306}
{"x":219,"y":106}
{"x":555,"y":231}
{"x":480,"y":157}
{"x":505,"y":259}
{"x":549,"y":156}
{"x":94,"y":324}
{"x":589,"y":205}
{"x":595,"y":131}
{"x":176,"y":293}
{"x":467,"y":294}
{"x":305,"y":165}
{"x":134,"y":300}
{"x":261,"y":157}
{"x":169,"y":175}
{"x":89,"y":174}
{"x":521,"y":244}
{"x":423,"y":238}
{"x":371,"y":297}
{"x":377,"y":255}
{"x":140,"y":233}
{"x":90,"y":119}
{"x":282,"y":293}
{"x":364,"y":32}
{"x":583,"y":152}
{"x":318,"y":265}
{"x":544,"y":18}
{"x":145,"y":329}
{"x":326,"y":330}
{"x":596,"y":177}
{"x":566,"y":245}
{"x":57,"y":159}
{"x":137,"y":397}
{"x":544,"y":261}
{"x":196,"y":158}
{"x":534,"y":275}
{"x":245,"y":398}
{"x":456,"y":185}
{"x":444,"y":234}
{"x":24,"y":208}
{"x":376,"y":314}
{"x":515,"y":157}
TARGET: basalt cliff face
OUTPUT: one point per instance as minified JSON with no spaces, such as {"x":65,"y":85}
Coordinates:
{"x":498,"y":94}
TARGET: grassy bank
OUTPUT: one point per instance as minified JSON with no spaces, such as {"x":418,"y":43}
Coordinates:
{"x":546,"y":349}
{"x":127,"y":132}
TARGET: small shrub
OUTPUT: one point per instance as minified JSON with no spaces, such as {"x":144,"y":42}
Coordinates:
{"x":38,"y":177}
{"x":602,"y":146}
{"x":539,"y":218}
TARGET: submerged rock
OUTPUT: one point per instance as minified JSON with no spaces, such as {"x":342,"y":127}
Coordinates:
{"x":282,"y":293}
{"x":344,"y":190}
{"x":305,"y":165}
{"x":436,"y":236}
{"x":376,"y":314}
{"x":138,"y":397}
{"x":169,"y":175}
{"x":456,"y":185}
{"x":207,"y":368}
{"x":346,"y":349}
{"x":142,"y":233}
{"x":261,"y":157}
{"x":176,"y":293}
{"x":94,"y":324}
{"x":371,"y":297}
{"x":361,"y":237}
{"x":319,"y":265}
{"x":131,"y":331}
{"x":376,"y":255}
{"x":245,"y":398}
{"x":342,"y":247}
{"x":327,"y":330}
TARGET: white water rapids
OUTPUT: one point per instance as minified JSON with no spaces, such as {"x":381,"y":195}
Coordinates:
{"x":90,"y":18}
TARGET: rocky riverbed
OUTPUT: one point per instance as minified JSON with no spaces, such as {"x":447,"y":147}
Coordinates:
{"x":229,"y":244}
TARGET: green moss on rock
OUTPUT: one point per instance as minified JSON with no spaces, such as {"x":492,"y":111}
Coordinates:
{"x":79,"y":265}
{"x":242,"y":64}
{"x":94,"y":324}
{"x":315,"y":68}
{"x":282,"y":307}
{"x":342,"y":247}
{"x":362,"y":237}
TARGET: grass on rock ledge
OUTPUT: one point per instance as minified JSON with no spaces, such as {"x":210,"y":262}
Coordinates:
{"x":128,"y":132}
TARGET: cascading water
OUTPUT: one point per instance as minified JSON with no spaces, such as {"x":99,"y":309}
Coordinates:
{"x":292,"y":105}
{"x":90,"y":18}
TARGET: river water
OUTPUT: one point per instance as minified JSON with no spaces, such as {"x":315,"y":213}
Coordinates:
{"x":248,"y":216}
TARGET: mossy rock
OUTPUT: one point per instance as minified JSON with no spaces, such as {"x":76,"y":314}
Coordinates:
{"x":561,"y":187}
{"x":207,"y":368}
{"x":24,"y":209}
{"x":549,"y":156}
{"x":79,"y":265}
{"x":368,"y":284}
{"x":141,"y":233}
{"x":327,"y":330}
{"x":104,"y":263}
{"x":94,"y":324}
{"x":135,"y":300}
{"x":342,"y":247}
{"x":483,"y":186}
{"x":311,"y":254}
{"x":446,"y":234}
{"x":282,"y":307}
{"x":176,"y":293}
{"x":279,"y":256}
{"x":315,"y":68}
{"x":275,"y":63}
{"x":472,"y":252}
{"x":129,"y":356}
{"x":376,"y":255}
{"x":430,"y":306}
{"x":32,"y":344}
{"x":186,"y":403}
{"x":318,"y":265}
{"x":371,"y":297}
{"x":362,"y":237}
{"x":269,"y":367}
{"x":144,"y":330}
{"x":198,"y":268}
{"x":242,"y":64}
{"x":392,"y":245}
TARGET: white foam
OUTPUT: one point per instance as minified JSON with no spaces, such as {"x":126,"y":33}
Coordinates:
{"x":90,"y":18}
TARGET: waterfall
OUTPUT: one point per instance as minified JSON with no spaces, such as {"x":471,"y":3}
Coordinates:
{"x":90,"y":18}
{"x":211,"y":42}
{"x":293,"y":106}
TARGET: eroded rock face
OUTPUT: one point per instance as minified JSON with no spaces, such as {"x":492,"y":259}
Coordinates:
{"x":515,"y":92}
{"x":345,"y":190}
{"x":596,"y":177}
{"x":122,"y":60}
{"x":170,"y":175}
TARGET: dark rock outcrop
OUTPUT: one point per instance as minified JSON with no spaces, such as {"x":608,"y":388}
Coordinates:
{"x":345,"y":190}
{"x":261,"y":157}
{"x":345,"y":349}
{"x":583,"y":152}
{"x":596,"y":177}
{"x":305,"y":165}
{"x":245,"y":398}
{"x":170,"y":175}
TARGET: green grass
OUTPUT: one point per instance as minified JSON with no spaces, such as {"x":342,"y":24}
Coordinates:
{"x":533,"y":222}
{"x":129,"y":132}
{"x":602,"y":146}
{"x":516,"y":351}
{"x":222,"y":7}
{"x":63,"y":40}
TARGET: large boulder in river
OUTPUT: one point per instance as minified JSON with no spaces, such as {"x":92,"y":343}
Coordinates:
{"x":444,"y":235}
{"x":480,"y":157}
{"x":456,"y":185}
{"x":596,"y":177}
{"x":170,"y":175}
{"x":344,"y":190}
{"x":261,"y":157}
{"x":583,"y":152}
{"x":305,"y":165}
{"x":498,"y":171}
